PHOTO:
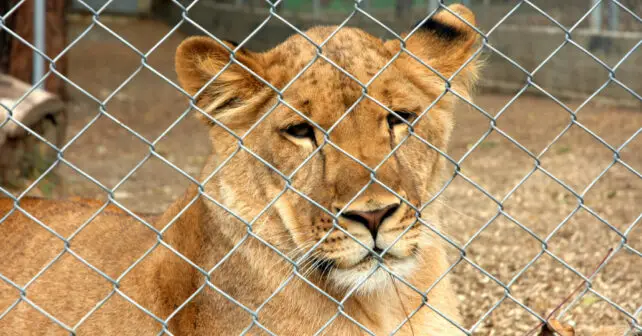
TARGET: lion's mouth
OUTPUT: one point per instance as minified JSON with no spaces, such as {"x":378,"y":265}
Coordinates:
{"x":325,"y":265}
{"x":369,"y":274}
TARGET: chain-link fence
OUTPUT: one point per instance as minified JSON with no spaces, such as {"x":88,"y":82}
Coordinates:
{"x":41,"y":248}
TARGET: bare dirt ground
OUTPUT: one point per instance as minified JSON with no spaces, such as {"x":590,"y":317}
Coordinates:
{"x":108,"y":152}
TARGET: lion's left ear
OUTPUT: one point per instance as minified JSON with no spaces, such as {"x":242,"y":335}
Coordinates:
{"x":446,"y":42}
{"x":199,"y":59}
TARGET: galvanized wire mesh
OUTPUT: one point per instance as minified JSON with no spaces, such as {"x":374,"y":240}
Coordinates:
{"x":359,"y":9}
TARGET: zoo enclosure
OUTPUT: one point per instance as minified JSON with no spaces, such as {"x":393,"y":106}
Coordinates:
{"x":188,"y":19}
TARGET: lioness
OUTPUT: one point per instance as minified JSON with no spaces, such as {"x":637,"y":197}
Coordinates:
{"x":277,"y":171}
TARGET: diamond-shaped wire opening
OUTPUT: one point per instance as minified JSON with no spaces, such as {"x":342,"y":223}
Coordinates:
{"x":576,"y":141}
{"x":613,"y":196}
{"x":129,"y":280}
{"x":134,"y":319}
{"x":107,"y":80}
{"x":544,"y":284}
{"x":509,"y":30}
{"x":616,"y":284}
{"x":94,"y":8}
{"x":586,"y":296}
{"x":137,"y":101}
{"x":471,"y":125}
{"x":98,"y":235}
{"x":23,"y":314}
{"x":540,"y":203}
{"x":414,"y":303}
{"x":246,"y":310}
{"x":582,"y":226}
{"x":503,"y":262}
{"x":23,"y":266}
{"x":554,"y":74}
{"x":143,"y":38}
{"x":291,"y":286}
{"x":621,"y":9}
{"x":590,"y":110}
{"x":339,"y":322}
{"x":488,"y":155}
{"x":134,"y":191}
{"x":544,"y":118}
{"x":125,"y":146}
{"x":476,"y":292}
{"x":538,"y":13}
{"x":460,"y":210}
{"x":574,"y":24}
{"x":615,"y":89}
{"x":590,"y":313}
{"x":70,"y":283}
{"x":236,"y":319}
{"x":506,"y":319}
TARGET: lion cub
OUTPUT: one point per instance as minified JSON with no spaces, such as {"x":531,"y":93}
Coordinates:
{"x":307,"y":217}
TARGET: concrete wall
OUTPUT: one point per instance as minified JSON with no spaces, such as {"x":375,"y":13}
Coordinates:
{"x":571,"y":73}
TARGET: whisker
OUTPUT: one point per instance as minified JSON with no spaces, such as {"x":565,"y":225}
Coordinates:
{"x":403,"y":307}
{"x":457,"y":211}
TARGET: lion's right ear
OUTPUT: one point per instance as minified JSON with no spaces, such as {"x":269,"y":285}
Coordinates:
{"x":199,"y":59}
{"x":447,"y":41}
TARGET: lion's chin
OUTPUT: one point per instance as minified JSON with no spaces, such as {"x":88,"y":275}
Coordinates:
{"x":367,"y":277}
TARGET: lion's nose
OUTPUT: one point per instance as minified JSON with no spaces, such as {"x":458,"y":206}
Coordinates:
{"x":372,"y":219}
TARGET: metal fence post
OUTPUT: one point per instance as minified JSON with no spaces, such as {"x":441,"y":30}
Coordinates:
{"x":596,"y":15}
{"x":316,"y":8}
{"x":39,"y":40}
{"x":614,"y":16}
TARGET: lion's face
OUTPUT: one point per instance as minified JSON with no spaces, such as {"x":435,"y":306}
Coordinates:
{"x":341,"y":166}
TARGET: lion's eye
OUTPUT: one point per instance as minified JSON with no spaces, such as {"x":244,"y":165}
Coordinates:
{"x":393,"y":120}
{"x":300,"y":131}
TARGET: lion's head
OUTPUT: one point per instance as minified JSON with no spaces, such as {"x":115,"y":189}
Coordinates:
{"x":331,"y":142}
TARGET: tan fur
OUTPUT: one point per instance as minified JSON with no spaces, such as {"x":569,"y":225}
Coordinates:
{"x":205,"y":233}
